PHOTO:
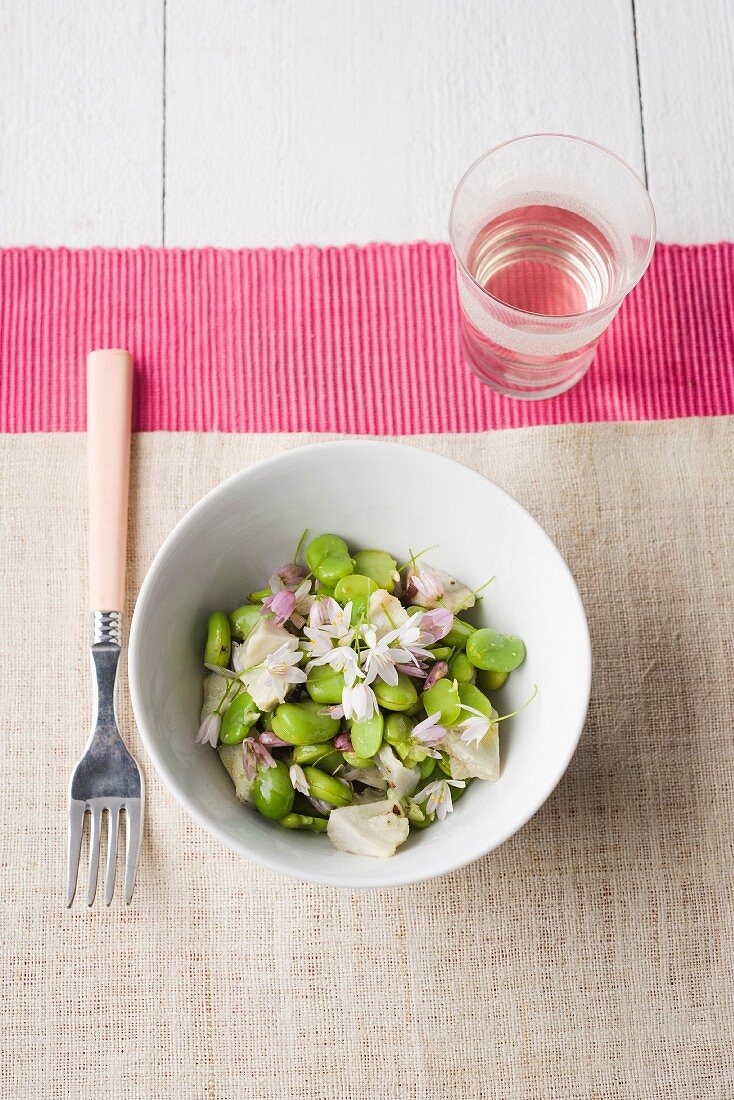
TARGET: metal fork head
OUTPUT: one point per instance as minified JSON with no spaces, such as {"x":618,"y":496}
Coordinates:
{"x":99,"y":809}
{"x":106,"y":780}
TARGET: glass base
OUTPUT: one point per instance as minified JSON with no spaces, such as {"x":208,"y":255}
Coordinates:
{"x":525,"y":379}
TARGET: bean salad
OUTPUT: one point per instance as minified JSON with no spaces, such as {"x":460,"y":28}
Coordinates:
{"x":350,"y":697}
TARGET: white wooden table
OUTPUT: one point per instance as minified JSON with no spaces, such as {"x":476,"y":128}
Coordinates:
{"x":272,"y":122}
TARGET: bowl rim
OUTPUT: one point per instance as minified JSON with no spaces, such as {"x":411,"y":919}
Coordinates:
{"x":356,"y":880}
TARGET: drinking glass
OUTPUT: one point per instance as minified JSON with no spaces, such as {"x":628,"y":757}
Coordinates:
{"x":549,"y":232}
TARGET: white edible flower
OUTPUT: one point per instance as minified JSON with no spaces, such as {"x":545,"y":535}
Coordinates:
{"x":437,"y":796}
{"x":427,"y":583}
{"x":359,"y":701}
{"x":380,"y":655}
{"x":298,"y":779}
{"x":428,"y":734}
{"x":209,"y":730}
{"x":409,"y":637}
{"x":476,"y":728}
{"x":341,"y":659}
{"x":328,"y":625}
{"x":282,"y":669}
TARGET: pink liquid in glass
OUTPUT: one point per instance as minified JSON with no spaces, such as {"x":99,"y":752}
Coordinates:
{"x":542,"y":261}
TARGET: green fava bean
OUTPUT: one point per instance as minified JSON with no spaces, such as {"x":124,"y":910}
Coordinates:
{"x":355,"y":761}
{"x":309,"y":754}
{"x":239,"y":718}
{"x":324,"y":685}
{"x":398,"y":729}
{"x":426,"y":768}
{"x":443,"y":698}
{"x":490,"y":681}
{"x":304,"y":821}
{"x":303,"y":723}
{"x":418,"y":819}
{"x":366,"y":737}
{"x":357,"y":590}
{"x":459,"y":634}
{"x":329,"y":559}
{"x":495,"y":652}
{"x":272,"y":791}
{"x":324,"y":755}
{"x":243,"y":620}
{"x":218,"y":640}
{"x":475,"y":698}
{"x":461,"y":669}
{"x":400,"y":696}
{"x":441,"y":652}
{"x":327,"y":788}
{"x":379,"y":565}
{"x":266,"y":720}
{"x":260,"y":595}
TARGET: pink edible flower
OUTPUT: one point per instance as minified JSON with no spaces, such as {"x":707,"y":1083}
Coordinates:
{"x":291,"y":574}
{"x":272,"y":741}
{"x":438,"y":672}
{"x":253,"y":753}
{"x":427,"y":583}
{"x":343,"y":743}
{"x":436,"y":623}
{"x":281,"y":605}
{"x":415,"y":671}
{"x":429,"y":734}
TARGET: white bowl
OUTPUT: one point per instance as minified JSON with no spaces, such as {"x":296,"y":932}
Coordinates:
{"x":374,"y":495}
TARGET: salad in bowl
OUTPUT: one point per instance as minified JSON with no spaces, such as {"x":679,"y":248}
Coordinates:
{"x":350,"y":696}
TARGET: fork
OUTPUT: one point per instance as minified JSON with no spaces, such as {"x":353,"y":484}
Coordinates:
{"x":106,"y":781}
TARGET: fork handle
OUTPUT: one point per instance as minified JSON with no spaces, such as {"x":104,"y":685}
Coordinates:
{"x":109,"y":410}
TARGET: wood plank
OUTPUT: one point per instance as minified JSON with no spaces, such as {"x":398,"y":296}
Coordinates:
{"x":329,"y":121}
{"x":687,"y":82}
{"x":81,"y":121}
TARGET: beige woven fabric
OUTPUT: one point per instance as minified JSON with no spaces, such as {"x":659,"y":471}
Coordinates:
{"x":591,"y":956}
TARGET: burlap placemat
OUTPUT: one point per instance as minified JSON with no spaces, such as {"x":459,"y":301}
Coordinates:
{"x":591,"y":956}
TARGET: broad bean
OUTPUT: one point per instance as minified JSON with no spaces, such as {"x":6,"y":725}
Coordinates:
{"x":459,"y":634}
{"x":239,"y":718}
{"x":401,"y":696}
{"x":495,"y":652}
{"x":398,"y":728}
{"x":356,"y":589}
{"x":426,"y":768}
{"x":325,"y":685}
{"x":356,"y":761}
{"x":490,"y":681}
{"x":329,"y":559}
{"x":325,"y":755}
{"x":272,"y":791}
{"x":475,"y":698}
{"x":218,"y":640}
{"x":260,"y":595}
{"x":441,"y":652}
{"x":366,"y":737}
{"x":303,"y":723}
{"x":243,"y":620}
{"x":443,"y":698}
{"x":327,"y":788}
{"x":379,"y":565}
{"x":461,"y":668}
{"x":304,"y":821}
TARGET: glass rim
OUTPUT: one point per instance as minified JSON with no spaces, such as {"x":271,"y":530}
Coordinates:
{"x":629,"y":285}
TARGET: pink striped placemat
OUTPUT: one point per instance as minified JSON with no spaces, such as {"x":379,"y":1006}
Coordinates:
{"x":355,"y":339}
